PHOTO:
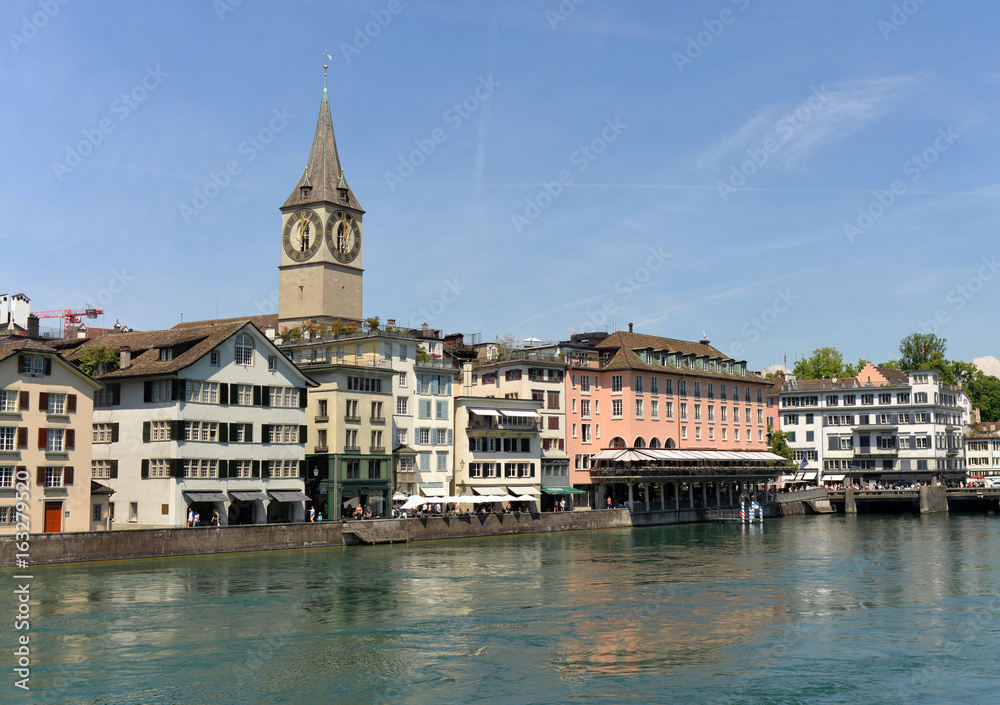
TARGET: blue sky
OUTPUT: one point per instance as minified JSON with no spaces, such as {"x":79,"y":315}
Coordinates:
{"x":780,"y":176}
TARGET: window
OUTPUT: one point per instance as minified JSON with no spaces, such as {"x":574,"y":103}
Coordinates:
{"x":711,"y":413}
{"x":159,"y":468}
{"x":351,"y":410}
{"x":920,"y":398}
{"x":8,"y":438}
{"x":922,"y":442}
{"x":746,"y":416}
{"x":553,"y":400}
{"x":283,"y":433}
{"x":736,"y":435}
{"x":244,"y":349}
{"x":442,"y":460}
{"x":272,"y":362}
{"x":810,"y":436}
{"x":637,"y":384}
{"x":282,"y":468}
{"x":723,"y":410}
{"x":616,"y":408}
{"x":6,"y":475}
{"x":376,"y":441}
{"x":831,"y":400}
{"x":9,"y":401}
{"x":638,"y":408}
{"x":903,"y":398}
{"x":584,"y":408}
{"x":204,"y":392}
{"x":849,"y":400}
{"x":423,"y":436}
{"x":697,"y":390}
{"x":697,"y":412}
{"x":402,"y":379}
{"x":724,"y":431}
{"x":867,"y":399}
{"x":377,"y":411}
{"x":668,"y":386}
{"x":401,"y":403}
{"x":213,"y":358}
{"x":166,"y":354}
{"x":424,"y":408}
{"x":616,"y":383}
{"x":54,"y":477}
{"x":654,"y":385}
{"x":884,"y":398}
{"x":585,"y":384}
{"x":287,"y":397}
{"x":684,"y":433}
{"x":201,"y":431}
{"x":669,"y":409}
{"x":722,"y":392}
{"x":133,"y":512}
{"x":35,"y":365}
{"x":682,"y":388}
{"x":57,"y":404}
{"x":654,"y":409}
{"x":55,"y":440}
{"x":159,"y":431}
{"x":101,"y":469}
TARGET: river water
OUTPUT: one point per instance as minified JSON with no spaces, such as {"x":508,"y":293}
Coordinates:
{"x":831,"y":609}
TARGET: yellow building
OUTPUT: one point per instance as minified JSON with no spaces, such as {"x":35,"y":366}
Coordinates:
{"x":46,"y":429}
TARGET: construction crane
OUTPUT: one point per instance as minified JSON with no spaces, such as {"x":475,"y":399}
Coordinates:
{"x":69,"y":316}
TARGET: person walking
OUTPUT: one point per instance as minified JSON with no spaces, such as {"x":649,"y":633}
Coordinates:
{"x":312,"y":513}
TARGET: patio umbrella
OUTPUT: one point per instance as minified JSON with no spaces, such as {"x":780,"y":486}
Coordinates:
{"x":399,"y":496}
{"x":352,"y":502}
{"x":525,"y":498}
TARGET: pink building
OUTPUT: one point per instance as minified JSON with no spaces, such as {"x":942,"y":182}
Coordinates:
{"x":629,"y":390}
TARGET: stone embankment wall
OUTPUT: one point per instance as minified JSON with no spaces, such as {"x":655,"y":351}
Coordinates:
{"x":158,"y":543}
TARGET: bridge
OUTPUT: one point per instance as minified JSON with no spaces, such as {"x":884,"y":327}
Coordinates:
{"x":923,"y":500}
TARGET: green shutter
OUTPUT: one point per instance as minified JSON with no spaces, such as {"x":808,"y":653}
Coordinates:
{"x":223,"y":468}
{"x":114,"y":433}
{"x":303,"y":397}
{"x":147,"y":392}
{"x":177,"y":467}
{"x":249,"y":433}
{"x":224,"y":394}
{"x":145,"y":431}
{"x":265,"y":433}
{"x":255,"y":468}
{"x":256,"y":395}
{"x":265,"y":472}
{"x":303,"y":470}
{"x":114,"y":470}
{"x":265,"y":396}
{"x":176,"y":389}
{"x":144,"y":473}
{"x":223,"y":433}
{"x":302,"y":434}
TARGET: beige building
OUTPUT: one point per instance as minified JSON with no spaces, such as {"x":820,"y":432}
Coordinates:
{"x":46,"y":416}
{"x":349,"y":420}
{"x":320,"y":272}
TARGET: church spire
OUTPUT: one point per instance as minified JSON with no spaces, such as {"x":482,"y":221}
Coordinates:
{"x":323,"y":179}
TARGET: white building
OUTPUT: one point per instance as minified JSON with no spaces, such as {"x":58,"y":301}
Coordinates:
{"x":882,"y":426}
{"x":200,"y":418}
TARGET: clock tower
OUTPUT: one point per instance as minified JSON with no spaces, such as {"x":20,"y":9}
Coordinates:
{"x":320,"y":272}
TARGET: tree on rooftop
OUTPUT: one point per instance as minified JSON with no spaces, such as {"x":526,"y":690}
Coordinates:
{"x":99,"y":359}
{"x":823,"y":363}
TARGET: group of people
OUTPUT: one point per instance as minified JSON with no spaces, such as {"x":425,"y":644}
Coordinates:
{"x":194,"y":518}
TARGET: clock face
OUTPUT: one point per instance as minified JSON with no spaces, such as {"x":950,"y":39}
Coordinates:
{"x":343,"y":236}
{"x":302,"y":234}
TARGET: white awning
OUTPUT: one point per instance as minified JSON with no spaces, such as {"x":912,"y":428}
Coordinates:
{"x":489,"y":490}
{"x":433,"y":491}
{"x":527,"y":489}
{"x":833,"y":478}
{"x":485,"y":412}
{"x":521,"y":414}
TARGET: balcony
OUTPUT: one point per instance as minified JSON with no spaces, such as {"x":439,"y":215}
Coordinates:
{"x":376,"y":449}
{"x":352,"y":449}
{"x":875,"y":452}
{"x":378,"y":420}
{"x":525,"y":425}
{"x":322,"y":419}
{"x":355,"y":419}
{"x":321,"y":449}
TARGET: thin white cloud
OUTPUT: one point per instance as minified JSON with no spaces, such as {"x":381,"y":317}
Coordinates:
{"x":824,"y":115}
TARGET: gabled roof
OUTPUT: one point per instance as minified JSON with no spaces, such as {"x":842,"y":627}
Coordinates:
{"x":324,"y":173}
{"x":262,"y":322}
{"x":16,"y":346}
{"x":188,"y":345}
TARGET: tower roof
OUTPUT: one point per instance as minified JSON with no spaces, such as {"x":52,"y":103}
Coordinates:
{"x":324,"y":176}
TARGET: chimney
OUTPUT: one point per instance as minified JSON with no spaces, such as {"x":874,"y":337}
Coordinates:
{"x":629,"y":327}
{"x":390,"y":323}
{"x":32,"y":326}
{"x":125,"y":357}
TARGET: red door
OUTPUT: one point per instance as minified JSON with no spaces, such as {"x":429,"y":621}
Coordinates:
{"x":53,"y":516}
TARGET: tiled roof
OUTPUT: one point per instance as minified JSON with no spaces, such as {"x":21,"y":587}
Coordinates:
{"x":323,"y":173}
{"x":893,"y":376}
{"x":15,"y":344}
{"x":625,"y":359}
{"x":262,"y":322}
{"x":188,"y":346}
{"x":819,"y":385}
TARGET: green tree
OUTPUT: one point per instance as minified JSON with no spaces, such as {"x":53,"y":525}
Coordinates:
{"x":778,"y":443}
{"x":985,"y":394}
{"x":824,"y":362}
{"x":99,"y":359}
{"x":919,"y":350}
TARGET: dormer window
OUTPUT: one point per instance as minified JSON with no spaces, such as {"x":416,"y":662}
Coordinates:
{"x":166,"y":354}
{"x":304,"y":191}
{"x":343,"y":195}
